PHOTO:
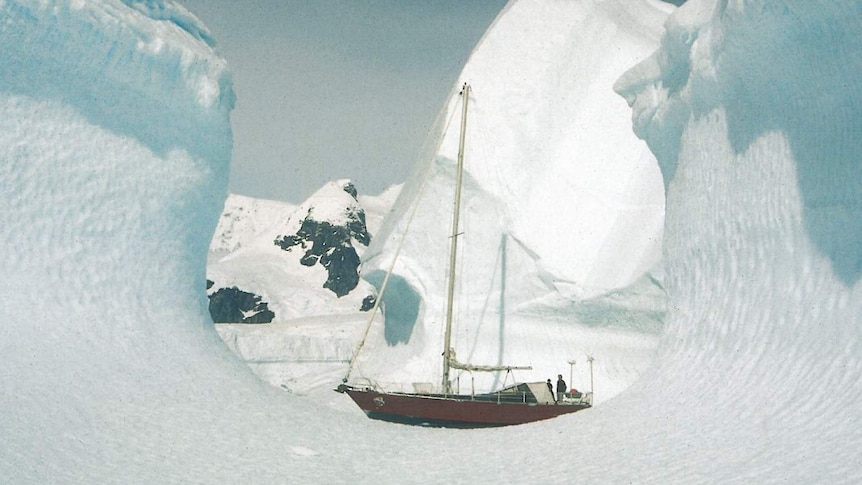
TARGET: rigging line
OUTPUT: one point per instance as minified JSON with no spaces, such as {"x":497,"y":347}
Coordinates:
{"x":383,"y":285}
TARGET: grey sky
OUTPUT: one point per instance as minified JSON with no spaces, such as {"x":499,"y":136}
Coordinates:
{"x":331,"y":89}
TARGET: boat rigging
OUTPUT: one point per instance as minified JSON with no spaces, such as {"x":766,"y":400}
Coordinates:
{"x":515,"y":404}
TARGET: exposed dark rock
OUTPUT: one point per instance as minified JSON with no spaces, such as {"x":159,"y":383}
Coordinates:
{"x":342,"y":264}
{"x":368,"y":303}
{"x":332,"y":246}
{"x":231,"y":305}
{"x":351,"y":189}
{"x":309,"y":260}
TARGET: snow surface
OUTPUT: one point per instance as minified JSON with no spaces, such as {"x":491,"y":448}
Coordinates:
{"x":244,"y":220}
{"x":114,"y":145}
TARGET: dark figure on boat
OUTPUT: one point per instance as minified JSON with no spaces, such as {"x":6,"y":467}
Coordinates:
{"x":551,"y":388}
{"x":561,"y":387}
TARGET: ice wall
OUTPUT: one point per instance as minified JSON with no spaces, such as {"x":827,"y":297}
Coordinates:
{"x":115,"y":154}
{"x":754,"y":110}
{"x":114,"y":149}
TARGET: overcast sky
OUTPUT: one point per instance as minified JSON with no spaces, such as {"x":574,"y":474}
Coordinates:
{"x":330,"y":89}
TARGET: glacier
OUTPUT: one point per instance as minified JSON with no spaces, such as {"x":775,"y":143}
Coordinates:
{"x":114,"y":150}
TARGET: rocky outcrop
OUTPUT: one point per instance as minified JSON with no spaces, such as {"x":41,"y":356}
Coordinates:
{"x":327,"y":236}
{"x":368,"y":303}
{"x":232,"y":305}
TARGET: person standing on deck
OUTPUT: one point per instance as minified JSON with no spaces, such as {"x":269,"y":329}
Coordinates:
{"x":551,"y":389}
{"x":561,"y":387}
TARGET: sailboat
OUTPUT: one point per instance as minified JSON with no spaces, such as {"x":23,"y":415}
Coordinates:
{"x":517,"y":403}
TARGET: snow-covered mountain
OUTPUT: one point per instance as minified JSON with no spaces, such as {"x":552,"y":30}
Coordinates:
{"x":245,"y":220}
{"x":114,"y":148}
{"x":326,"y":232}
{"x":301,"y":261}
{"x":296,"y":268}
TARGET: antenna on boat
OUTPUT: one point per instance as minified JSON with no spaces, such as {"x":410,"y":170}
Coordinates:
{"x":572,"y":373}
{"x":590,"y":359}
{"x":447,"y":340}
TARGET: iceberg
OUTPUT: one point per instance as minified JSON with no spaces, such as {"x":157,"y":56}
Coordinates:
{"x":114,"y":149}
{"x":751,"y":109}
{"x":562,"y":205}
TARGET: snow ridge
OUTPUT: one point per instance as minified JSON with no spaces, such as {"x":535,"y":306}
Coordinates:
{"x":175,"y":13}
{"x":120,"y":68}
{"x":245,"y":220}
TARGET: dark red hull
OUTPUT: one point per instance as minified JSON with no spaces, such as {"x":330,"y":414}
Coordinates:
{"x":453,"y":411}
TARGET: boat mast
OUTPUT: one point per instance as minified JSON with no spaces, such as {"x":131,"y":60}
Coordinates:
{"x":447,"y":350}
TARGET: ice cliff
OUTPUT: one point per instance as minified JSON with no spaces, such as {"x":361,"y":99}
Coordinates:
{"x":114,"y":149}
{"x":753,"y":109}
